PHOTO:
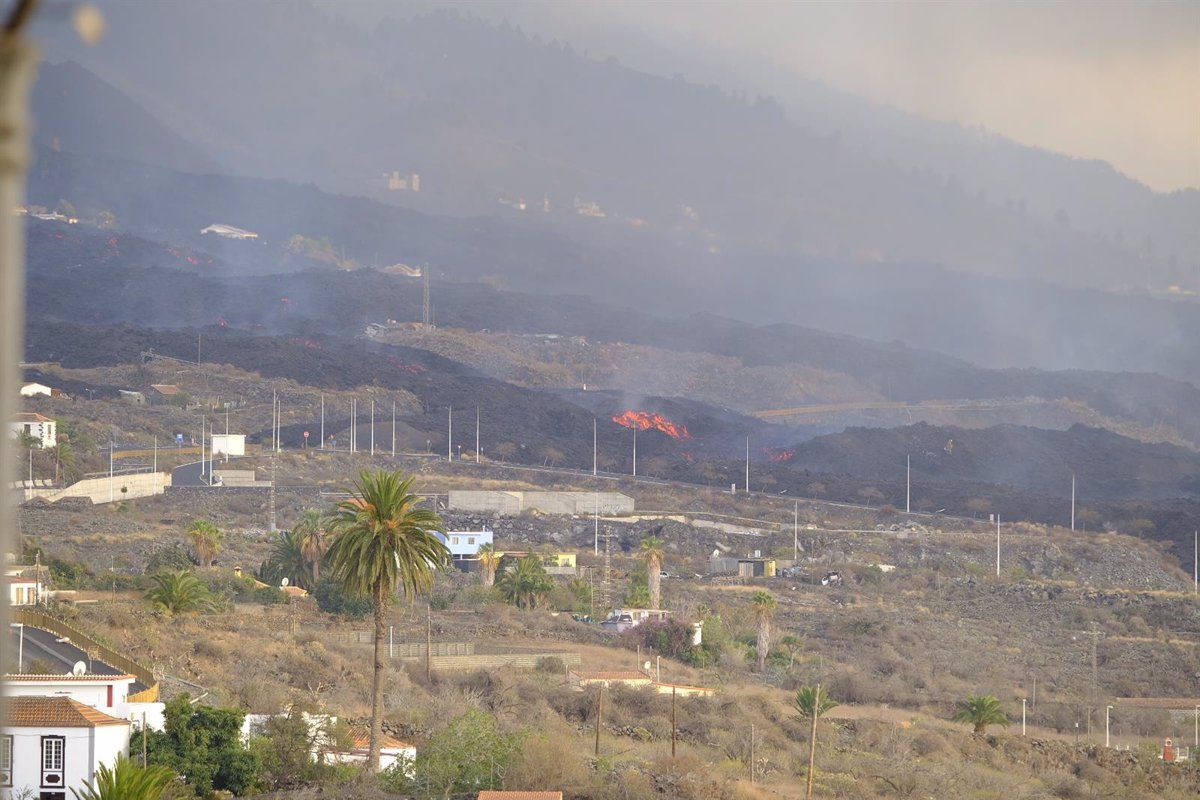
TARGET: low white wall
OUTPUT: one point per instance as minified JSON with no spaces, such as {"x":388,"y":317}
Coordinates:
{"x":143,"y":484}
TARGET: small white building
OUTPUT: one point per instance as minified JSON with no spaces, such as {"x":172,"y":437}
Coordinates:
{"x":52,"y":746}
{"x":24,"y":591}
{"x":233,"y":444}
{"x":106,"y":693}
{"x":36,"y":390}
{"x":464,"y":545}
{"x":319,"y":727}
{"x":39,"y":426}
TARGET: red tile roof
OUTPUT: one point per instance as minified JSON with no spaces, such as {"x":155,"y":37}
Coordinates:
{"x":55,"y":712}
{"x":32,"y":678}
{"x":30,"y":416}
{"x":362,"y":740}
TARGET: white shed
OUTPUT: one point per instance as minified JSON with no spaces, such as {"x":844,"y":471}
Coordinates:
{"x":35,"y":390}
{"x":233,"y":444}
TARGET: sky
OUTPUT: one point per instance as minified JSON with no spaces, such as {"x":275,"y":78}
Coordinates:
{"x":1108,"y":79}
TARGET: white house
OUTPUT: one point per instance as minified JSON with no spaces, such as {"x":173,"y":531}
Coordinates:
{"x":391,"y":749}
{"x":50,"y":746}
{"x":39,"y":426}
{"x":24,"y":591}
{"x":35,"y":390}
{"x":106,"y":693}
{"x":233,"y":444}
{"x":464,"y":545}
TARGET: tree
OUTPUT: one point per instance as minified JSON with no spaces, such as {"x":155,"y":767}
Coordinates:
{"x":526,"y":583}
{"x":179,"y":593}
{"x":125,"y":780}
{"x":980,"y":711}
{"x":813,"y":702}
{"x":311,"y":532}
{"x":489,"y":559}
{"x":64,"y":455}
{"x":204,"y":745}
{"x":206,"y":539}
{"x":469,"y":755}
{"x":384,"y":542}
{"x":763,"y":604}
{"x":651,"y":552}
{"x":810,"y":699}
{"x":287,"y":561}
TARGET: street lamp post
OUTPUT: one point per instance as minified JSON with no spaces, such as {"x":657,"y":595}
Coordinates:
{"x":1022,"y":716}
{"x":1106,"y":739}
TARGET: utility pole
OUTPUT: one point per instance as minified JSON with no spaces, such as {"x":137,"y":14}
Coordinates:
{"x":1072,"y":501}
{"x":354,"y":425}
{"x":1022,"y":716}
{"x":372,"y":426}
{"x":393,"y":429}
{"x":155,"y":468}
{"x":674,"y":730}
{"x":476,"y":433}
{"x":635,"y":452}
{"x":112,"y":445}
{"x":226,"y":434}
{"x":1106,"y":731}
{"x":747,"y":465}
{"x":908,"y":484}
{"x":428,"y":640}
{"x":596,"y":533}
{"x":271,"y":498}
{"x":143,"y":740}
{"x":273,"y":397}
{"x":599,"y":715}
{"x":425,"y":317}
{"x":752,"y":752}
{"x":795,"y":530}
{"x":997,"y":545}
{"x":450,"y":434}
{"x":595,"y":452}
{"x":1196,"y":562}
{"x":322,"y":422}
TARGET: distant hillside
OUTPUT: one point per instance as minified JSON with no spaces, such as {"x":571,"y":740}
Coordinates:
{"x":79,"y":274}
{"x":485,"y":112}
{"x":993,"y":322}
{"x":78,"y":112}
{"x":1107,"y":466}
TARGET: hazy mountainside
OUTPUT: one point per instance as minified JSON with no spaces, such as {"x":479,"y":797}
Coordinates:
{"x":484,"y":113}
{"x":1093,"y":195}
{"x":1107,"y":466}
{"x":79,"y":274}
{"x":990,"y":321}
{"x":80,"y":113}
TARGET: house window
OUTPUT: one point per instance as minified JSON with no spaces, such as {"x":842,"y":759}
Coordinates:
{"x":6,"y":764}
{"x":453,"y":540}
{"x":470,"y":540}
{"x":52,"y":760}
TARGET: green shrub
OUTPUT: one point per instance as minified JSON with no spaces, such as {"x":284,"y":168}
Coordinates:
{"x":331,"y":599}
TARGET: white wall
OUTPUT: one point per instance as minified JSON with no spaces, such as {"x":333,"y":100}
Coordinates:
{"x":143,"y":484}
{"x":86,"y":749}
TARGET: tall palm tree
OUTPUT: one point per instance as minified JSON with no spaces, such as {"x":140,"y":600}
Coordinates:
{"x":125,"y":780}
{"x":179,"y":592}
{"x":312,"y":533}
{"x":763,"y":604}
{"x":489,"y":559}
{"x":979,"y":711}
{"x":813,"y":702}
{"x":526,"y":583}
{"x":205,"y":538}
{"x":651,"y":552}
{"x":384,"y":542}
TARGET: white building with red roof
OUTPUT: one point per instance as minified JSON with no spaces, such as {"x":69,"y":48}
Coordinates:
{"x":50,"y":746}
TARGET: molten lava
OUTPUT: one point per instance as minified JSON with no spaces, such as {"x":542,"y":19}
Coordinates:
{"x":648,"y":420}
{"x":779,"y":454}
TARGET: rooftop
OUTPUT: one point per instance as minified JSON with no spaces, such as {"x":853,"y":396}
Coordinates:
{"x":30,"y":416}
{"x":55,"y":712}
{"x":165,"y":388}
{"x":362,"y":740}
{"x":47,"y":677}
{"x":613,"y":675}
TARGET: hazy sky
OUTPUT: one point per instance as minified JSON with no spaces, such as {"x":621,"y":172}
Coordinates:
{"x":1114,"y":80}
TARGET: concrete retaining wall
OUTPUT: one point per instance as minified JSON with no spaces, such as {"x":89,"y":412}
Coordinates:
{"x":102,"y":490}
{"x":566,"y":503}
{"x":504,"y":503}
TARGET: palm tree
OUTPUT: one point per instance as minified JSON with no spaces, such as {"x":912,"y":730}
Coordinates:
{"x":813,"y":702}
{"x":489,"y":559}
{"x":125,"y":780}
{"x":384,"y":542}
{"x":810,"y":698}
{"x":526,"y":583}
{"x":179,"y":592}
{"x":287,"y":561}
{"x":980,"y":711}
{"x":312,"y":534}
{"x":652,"y":553}
{"x":205,"y":538}
{"x":763,"y":604}
{"x":64,"y":456}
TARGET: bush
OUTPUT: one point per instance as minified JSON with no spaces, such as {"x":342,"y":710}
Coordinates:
{"x":331,"y":599}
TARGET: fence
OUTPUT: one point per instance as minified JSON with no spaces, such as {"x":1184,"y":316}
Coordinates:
{"x":36,"y":619}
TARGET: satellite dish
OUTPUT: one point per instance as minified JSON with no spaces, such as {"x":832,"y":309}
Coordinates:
{"x":283,"y":582}
{"x":80,"y":668}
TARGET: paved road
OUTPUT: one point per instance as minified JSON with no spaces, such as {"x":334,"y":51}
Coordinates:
{"x":48,"y":650}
